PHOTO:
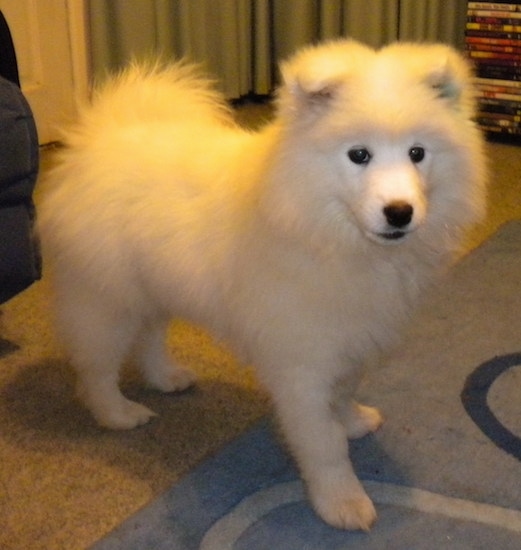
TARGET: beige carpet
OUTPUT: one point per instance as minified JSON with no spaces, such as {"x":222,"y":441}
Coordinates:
{"x":64,"y":483}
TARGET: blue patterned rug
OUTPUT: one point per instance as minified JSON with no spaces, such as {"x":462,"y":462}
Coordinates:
{"x":444,"y":470}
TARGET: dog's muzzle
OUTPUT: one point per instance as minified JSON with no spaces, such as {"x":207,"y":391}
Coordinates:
{"x":398,"y":215}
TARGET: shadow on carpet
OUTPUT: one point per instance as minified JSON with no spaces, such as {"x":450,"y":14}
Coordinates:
{"x":444,"y":471}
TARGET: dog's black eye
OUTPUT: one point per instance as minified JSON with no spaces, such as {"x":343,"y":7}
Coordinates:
{"x":416,"y":154}
{"x":359,"y":155}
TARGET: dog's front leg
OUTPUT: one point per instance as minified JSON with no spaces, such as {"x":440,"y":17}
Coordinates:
{"x":319,"y":443}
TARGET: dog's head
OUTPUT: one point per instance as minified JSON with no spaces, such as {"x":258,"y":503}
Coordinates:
{"x":390,"y":134}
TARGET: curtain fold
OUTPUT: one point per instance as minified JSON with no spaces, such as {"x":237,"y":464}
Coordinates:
{"x":240,"y":41}
{"x":433,"y":21}
{"x":374,"y":22}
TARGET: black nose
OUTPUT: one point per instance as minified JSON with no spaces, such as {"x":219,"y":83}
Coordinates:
{"x":398,"y":214}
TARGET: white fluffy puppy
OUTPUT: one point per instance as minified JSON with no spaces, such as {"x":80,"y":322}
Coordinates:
{"x":304,"y":245}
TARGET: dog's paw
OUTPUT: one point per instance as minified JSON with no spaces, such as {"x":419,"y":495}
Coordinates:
{"x":126,"y":416}
{"x":173,"y":379}
{"x":345,"y":510}
{"x":363,"y":420}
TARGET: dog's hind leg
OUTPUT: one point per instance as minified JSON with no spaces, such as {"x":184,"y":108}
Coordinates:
{"x":159,"y":370}
{"x":358,"y":419}
{"x":99,"y":339}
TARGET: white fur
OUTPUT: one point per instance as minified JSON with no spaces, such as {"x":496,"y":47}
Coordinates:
{"x":162,"y":207}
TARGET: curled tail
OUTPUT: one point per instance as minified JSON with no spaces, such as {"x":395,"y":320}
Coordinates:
{"x":148,"y":93}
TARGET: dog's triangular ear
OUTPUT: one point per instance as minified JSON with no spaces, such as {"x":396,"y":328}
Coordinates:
{"x":439,"y":67}
{"x":309,"y":87}
{"x":314,"y":77}
{"x":444,"y":81}
{"x":317,"y":92}
{"x":451,"y":79}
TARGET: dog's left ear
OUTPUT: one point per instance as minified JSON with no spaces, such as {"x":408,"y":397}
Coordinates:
{"x":450,"y":76}
{"x":444,"y":81}
{"x":439,"y":67}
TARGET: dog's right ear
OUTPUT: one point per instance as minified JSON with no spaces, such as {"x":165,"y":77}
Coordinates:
{"x":315,"y":76}
{"x":311,"y":85}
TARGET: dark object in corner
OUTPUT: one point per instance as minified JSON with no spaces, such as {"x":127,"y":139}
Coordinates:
{"x":20,"y":263}
{"x":8,"y":64}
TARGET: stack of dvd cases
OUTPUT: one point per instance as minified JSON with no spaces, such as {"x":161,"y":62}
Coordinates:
{"x":493,"y":40}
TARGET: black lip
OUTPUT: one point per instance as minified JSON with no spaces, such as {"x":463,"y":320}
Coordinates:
{"x":393,"y":236}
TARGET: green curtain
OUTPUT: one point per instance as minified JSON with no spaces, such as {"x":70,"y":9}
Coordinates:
{"x":240,"y":41}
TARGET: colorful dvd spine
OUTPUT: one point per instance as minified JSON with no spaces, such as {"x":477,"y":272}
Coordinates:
{"x":493,"y":42}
